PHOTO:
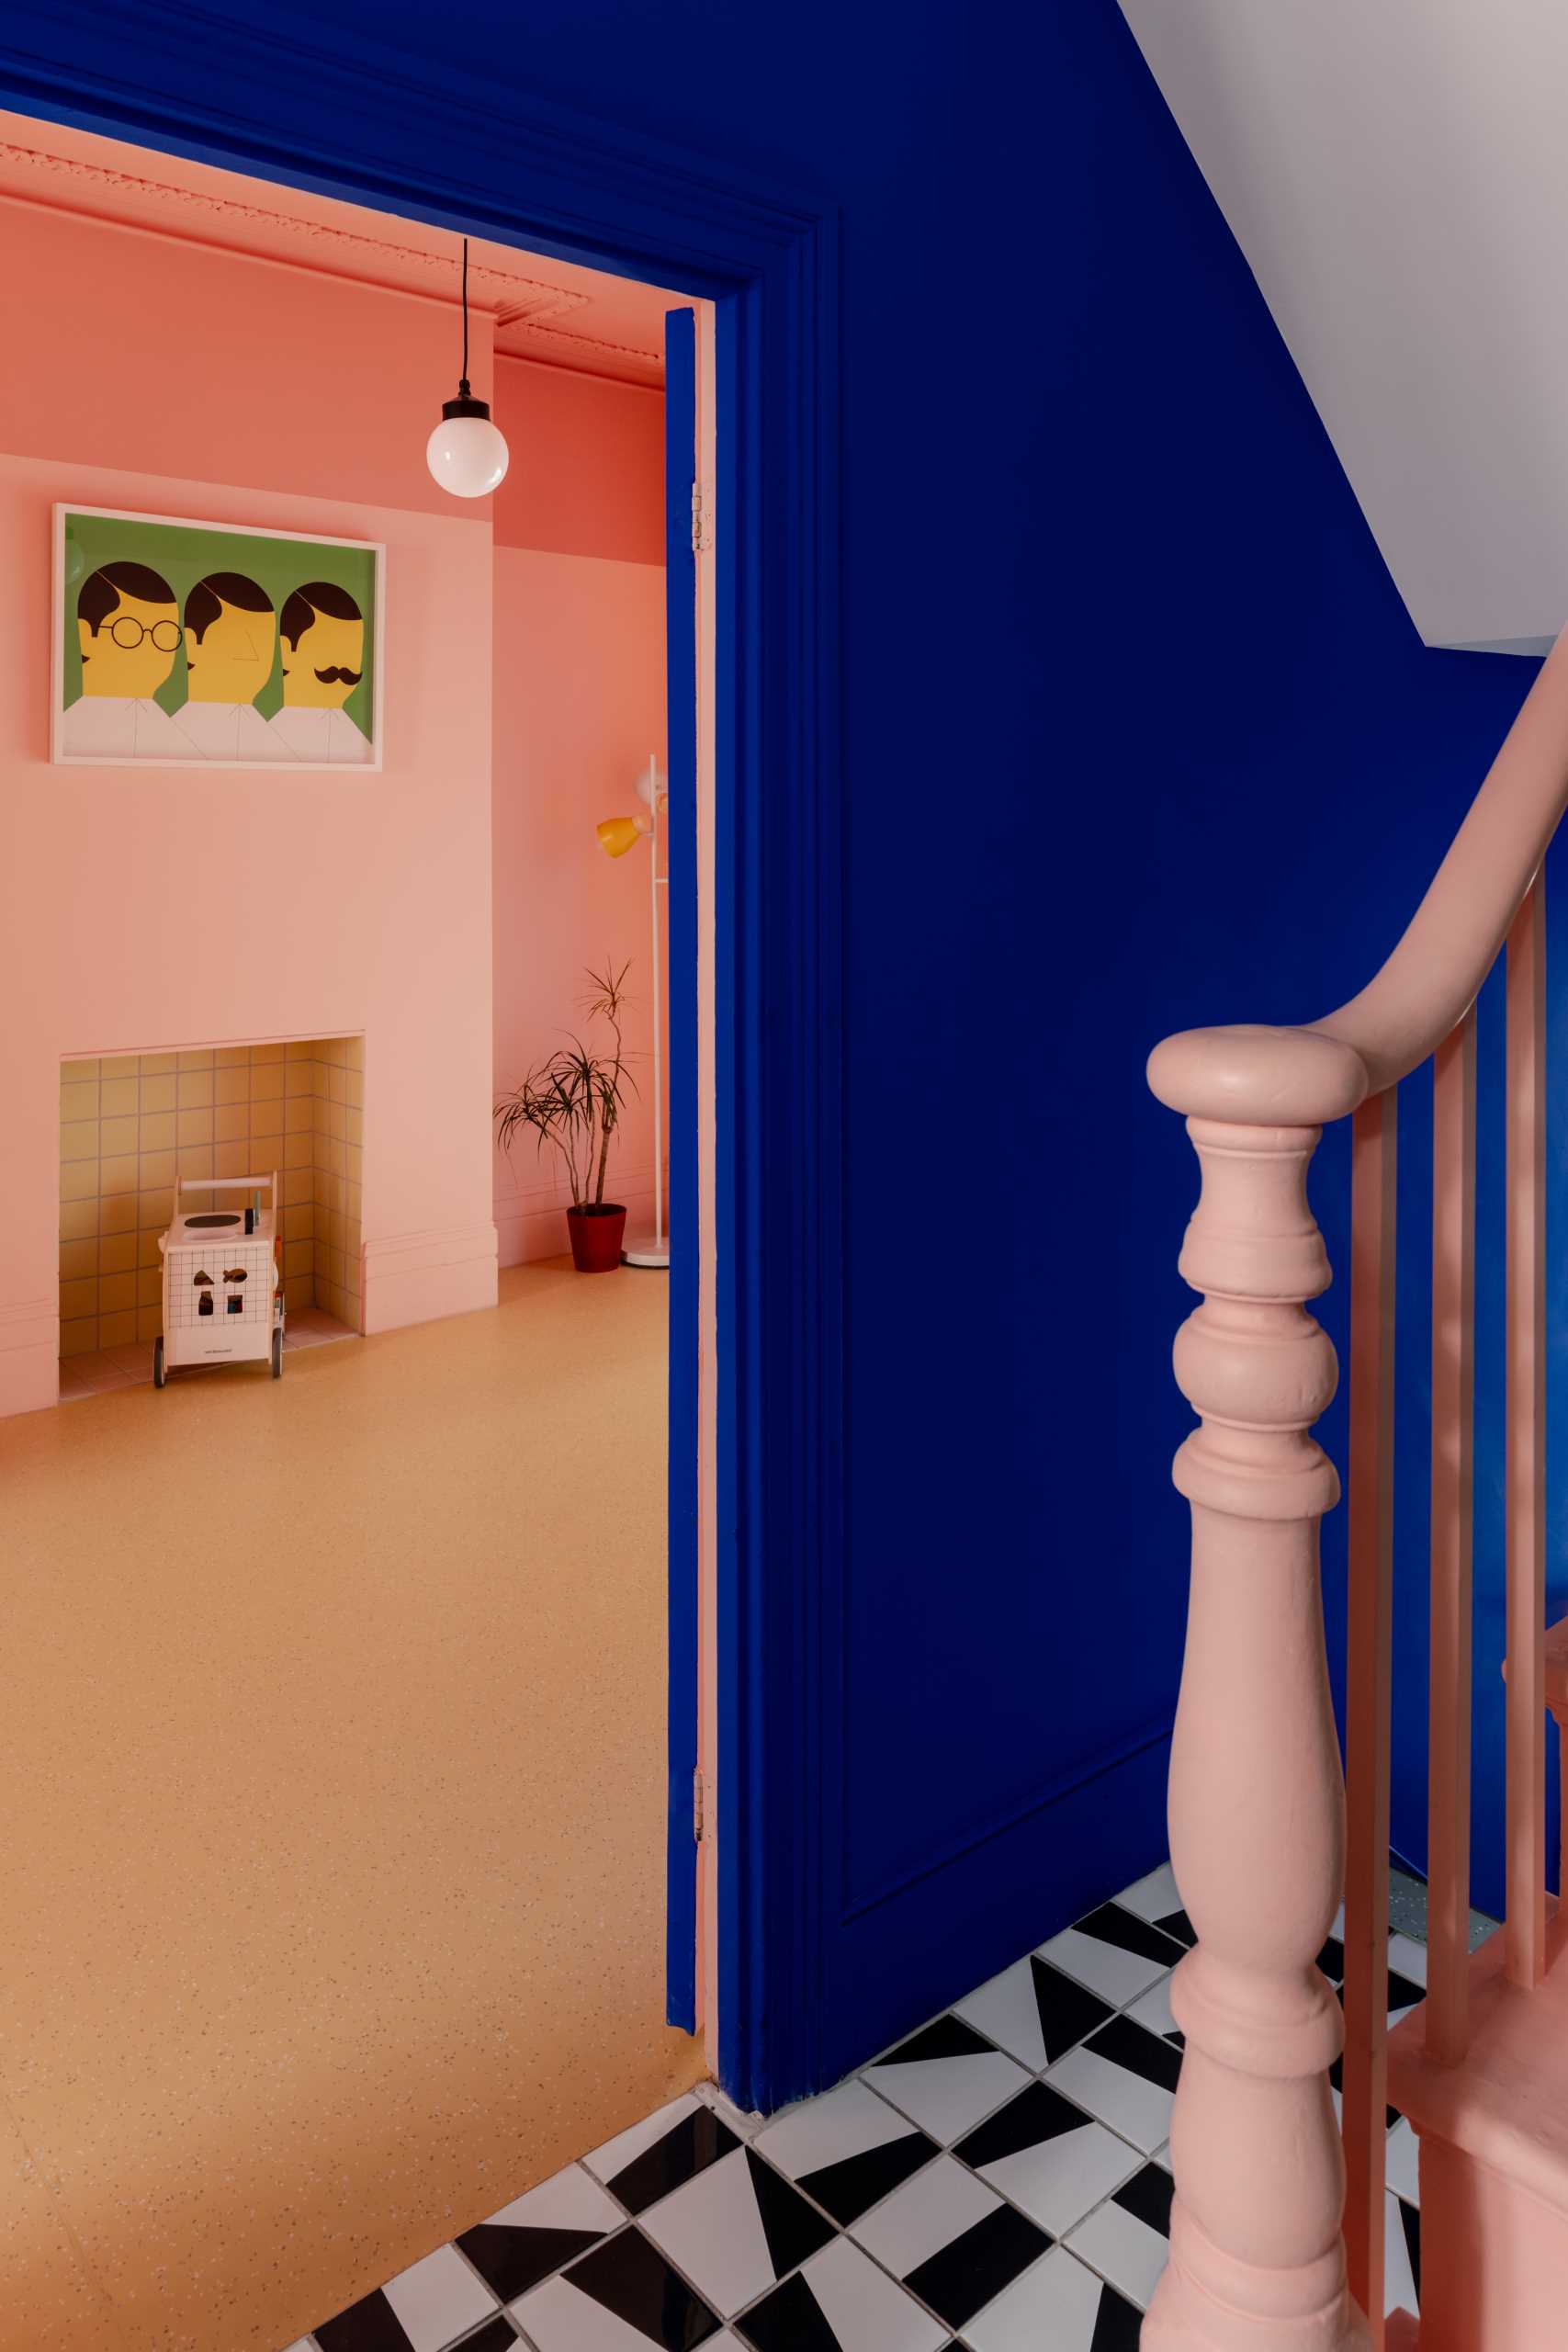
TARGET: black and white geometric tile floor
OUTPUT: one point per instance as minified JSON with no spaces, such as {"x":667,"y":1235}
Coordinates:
{"x":998,"y":2182}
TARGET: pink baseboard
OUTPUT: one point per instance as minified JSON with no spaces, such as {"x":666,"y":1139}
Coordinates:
{"x":416,"y":1278}
{"x":29,"y":1356}
{"x":530,"y":1222}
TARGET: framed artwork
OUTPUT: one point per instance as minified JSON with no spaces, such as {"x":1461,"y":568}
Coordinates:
{"x":183,"y":644}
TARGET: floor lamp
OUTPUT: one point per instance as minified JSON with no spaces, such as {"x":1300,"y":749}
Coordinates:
{"x":616,"y":835}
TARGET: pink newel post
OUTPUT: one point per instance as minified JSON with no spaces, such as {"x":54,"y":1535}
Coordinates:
{"x":1257,"y":1800}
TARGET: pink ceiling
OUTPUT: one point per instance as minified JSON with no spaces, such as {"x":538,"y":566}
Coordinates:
{"x":546,"y":310}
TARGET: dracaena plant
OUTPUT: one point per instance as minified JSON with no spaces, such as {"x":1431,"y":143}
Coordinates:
{"x":573,"y":1099}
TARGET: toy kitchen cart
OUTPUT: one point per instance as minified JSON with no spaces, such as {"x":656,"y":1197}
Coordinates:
{"x":223,"y":1285}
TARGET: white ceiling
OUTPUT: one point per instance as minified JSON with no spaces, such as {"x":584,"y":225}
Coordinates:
{"x":1396,"y":174}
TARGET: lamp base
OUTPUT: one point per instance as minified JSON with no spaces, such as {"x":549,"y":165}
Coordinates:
{"x":648,"y":1249}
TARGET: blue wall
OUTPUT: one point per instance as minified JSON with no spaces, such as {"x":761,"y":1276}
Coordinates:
{"x":1137,"y":735}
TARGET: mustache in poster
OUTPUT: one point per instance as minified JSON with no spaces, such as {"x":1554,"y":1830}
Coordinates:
{"x":340,"y":677}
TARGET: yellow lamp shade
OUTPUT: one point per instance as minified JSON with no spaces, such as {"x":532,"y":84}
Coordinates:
{"x":618,"y":834}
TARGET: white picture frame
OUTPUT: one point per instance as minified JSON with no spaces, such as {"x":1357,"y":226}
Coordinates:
{"x":64,"y":589}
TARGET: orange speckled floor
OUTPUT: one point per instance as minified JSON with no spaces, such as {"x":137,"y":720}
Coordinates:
{"x":332,"y":1731}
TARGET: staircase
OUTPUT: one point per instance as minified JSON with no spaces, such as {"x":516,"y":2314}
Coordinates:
{"x":1277,"y":2236}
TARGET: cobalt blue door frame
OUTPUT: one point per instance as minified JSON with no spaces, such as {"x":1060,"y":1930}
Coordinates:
{"x":685,"y":1188}
{"x":353,"y":120}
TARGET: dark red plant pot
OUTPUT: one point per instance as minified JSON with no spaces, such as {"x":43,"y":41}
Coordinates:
{"x":596,"y":1238}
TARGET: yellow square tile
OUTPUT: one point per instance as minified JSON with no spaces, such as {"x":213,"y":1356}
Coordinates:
{"x":298,"y":1150}
{"x":263,"y":1055}
{"x":78,"y":1259}
{"x":79,"y":1218}
{"x":157,"y":1168}
{"x":72,"y":1073}
{"x":321,"y":1079}
{"x":196,"y":1089}
{"x":195,"y":1058}
{"x":352,"y":1162}
{"x":79,"y":1337}
{"x":231,"y":1085}
{"x":116,"y":1135}
{"x":117,"y":1330}
{"x":192,"y":1126}
{"x":193,"y":1159}
{"x":298,"y":1186}
{"x":297,"y":1258}
{"x":337,"y":1086}
{"x":231,"y":1159}
{"x":266,"y":1153}
{"x":157,"y":1133}
{"x":267,"y":1081}
{"x":79,"y":1180}
{"x":230,"y":1120}
{"x":148,"y":1286}
{"x":333,"y":1119}
{"x":157,"y":1095}
{"x":116,"y":1291}
{"x":147,"y":1251}
{"x":355,"y":1052}
{"x":232,"y":1058}
{"x":298,"y":1050}
{"x":121,"y":1174}
{"x":149,"y":1322}
{"x":302,"y":1221}
{"x":79,"y":1139}
{"x":334,"y":1050}
{"x":78,"y":1101}
{"x":353,"y":1125}
{"x":354,"y":1088}
{"x":329,"y":1263}
{"x":78,"y":1298}
{"x":299,"y":1114}
{"x":155,"y":1209}
{"x":299,"y":1293}
{"x":117,"y":1253}
{"x":117,"y":1213}
{"x":156,"y":1065}
{"x":117,"y":1098}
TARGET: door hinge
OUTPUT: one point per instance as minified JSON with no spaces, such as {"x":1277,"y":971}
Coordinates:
{"x":700,"y":540}
{"x":699,"y":1808}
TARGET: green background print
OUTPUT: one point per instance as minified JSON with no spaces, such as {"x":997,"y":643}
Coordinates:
{"x":183,"y":553}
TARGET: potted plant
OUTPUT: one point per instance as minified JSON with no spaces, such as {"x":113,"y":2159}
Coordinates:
{"x":573,"y":1101}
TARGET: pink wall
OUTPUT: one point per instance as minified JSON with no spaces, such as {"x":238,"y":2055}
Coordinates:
{"x":579,"y":706}
{"x":182,"y":380}
{"x":208,"y":385}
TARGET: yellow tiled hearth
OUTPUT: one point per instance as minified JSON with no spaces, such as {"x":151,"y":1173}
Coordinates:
{"x":134,"y":1126}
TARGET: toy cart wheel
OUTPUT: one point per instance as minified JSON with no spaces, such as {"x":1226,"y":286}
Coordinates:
{"x":158,"y":1374}
{"x":277,"y":1355}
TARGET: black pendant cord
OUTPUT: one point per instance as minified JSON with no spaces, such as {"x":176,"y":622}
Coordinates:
{"x":463,"y":392}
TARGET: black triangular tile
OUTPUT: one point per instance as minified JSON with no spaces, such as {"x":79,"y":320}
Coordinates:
{"x":1067,"y":2011}
{"x":510,"y":2261}
{"x":688,"y":2148}
{"x":1141,"y":2053}
{"x":1117,"y":2324}
{"x":1147,"y":2198}
{"x":1178,"y":1925}
{"x":628,"y":2276}
{"x":789,"y":2320}
{"x":948,"y":2038}
{"x":853,"y":2184}
{"x":496,"y":2335}
{"x":1111,"y":1925}
{"x":967,"y":2274}
{"x":371,"y":2325}
{"x":793,"y":2229}
{"x":1037,"y":2114}
{"x":1410,"y":2222}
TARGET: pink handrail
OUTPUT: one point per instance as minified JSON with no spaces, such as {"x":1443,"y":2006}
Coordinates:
{"x":1265,"y":2248}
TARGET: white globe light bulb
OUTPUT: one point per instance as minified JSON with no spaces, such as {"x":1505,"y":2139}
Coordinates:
{"x":466,"y":454}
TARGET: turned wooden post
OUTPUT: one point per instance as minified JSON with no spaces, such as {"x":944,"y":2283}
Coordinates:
{"x":1257,"y":1798}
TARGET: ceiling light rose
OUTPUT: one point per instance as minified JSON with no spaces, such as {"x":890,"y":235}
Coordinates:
{"x":467,"y":453}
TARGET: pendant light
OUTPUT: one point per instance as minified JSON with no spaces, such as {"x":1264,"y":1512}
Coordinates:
{"x":466,"y":454}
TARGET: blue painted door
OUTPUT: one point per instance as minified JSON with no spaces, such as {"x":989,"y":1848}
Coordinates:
{"x":679,"y":835}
